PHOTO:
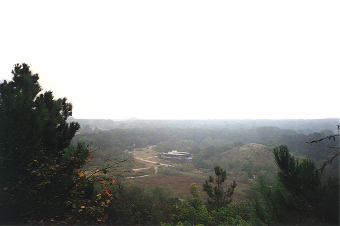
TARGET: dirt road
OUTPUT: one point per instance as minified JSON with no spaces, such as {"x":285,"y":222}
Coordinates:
{"x":145,"y":159}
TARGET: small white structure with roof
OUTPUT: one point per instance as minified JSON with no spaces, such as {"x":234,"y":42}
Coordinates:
{"x":176,"y":156}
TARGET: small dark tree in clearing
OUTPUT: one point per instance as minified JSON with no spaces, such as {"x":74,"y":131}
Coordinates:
{"x":218,"y":196}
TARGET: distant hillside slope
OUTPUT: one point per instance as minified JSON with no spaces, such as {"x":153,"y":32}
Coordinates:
{"x":251,"y":158}
{"x":258,"y":153}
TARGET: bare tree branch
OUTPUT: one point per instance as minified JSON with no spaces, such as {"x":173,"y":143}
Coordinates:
{"x":337,"y":147}
{"x":324,"y":138}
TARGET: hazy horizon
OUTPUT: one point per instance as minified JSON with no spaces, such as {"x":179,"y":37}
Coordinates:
{"x":180,"y":59}
{"x":191,"y":119}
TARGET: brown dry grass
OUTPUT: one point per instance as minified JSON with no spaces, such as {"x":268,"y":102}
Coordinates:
{"x":180,"y":184}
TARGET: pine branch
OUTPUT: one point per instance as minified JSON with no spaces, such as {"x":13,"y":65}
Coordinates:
{"x":334,"y":156}
{"x":328,"y":162}
{"x":56,"y":197}
{"x":324,"y":138}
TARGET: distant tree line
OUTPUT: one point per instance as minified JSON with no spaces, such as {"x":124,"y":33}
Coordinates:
{"x":304,"y":126}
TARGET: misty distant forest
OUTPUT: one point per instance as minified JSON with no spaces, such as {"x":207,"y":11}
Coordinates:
{"x":56,"y":169}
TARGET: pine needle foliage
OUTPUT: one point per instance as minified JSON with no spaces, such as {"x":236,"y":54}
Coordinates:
{"x":42,"y":178}
{"x":298,"y":196}
{"x":218,"y":196}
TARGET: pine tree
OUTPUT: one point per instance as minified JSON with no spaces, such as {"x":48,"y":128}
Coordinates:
{"x":298,"y":196}
{"x":38,"y":168}
{"x":218,"y":196}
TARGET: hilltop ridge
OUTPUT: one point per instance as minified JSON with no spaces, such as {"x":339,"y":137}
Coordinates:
{"x":258,"y":153}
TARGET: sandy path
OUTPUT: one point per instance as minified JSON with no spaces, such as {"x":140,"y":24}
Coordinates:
{"x":148,"y":161}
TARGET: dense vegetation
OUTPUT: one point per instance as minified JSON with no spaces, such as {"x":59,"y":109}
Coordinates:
{"x":53,"y":172}
{"x":298,"y":195}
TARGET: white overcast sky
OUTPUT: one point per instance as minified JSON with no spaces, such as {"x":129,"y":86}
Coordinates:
{"x":180,"y":59}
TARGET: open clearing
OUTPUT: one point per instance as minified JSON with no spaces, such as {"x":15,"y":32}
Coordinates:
{"x":149,"y":158}
{"x":179,"y":183}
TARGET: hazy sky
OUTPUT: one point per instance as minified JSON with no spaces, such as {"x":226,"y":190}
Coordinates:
{"x":180,"y":59}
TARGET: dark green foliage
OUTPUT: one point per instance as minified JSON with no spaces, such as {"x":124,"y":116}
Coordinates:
{"x":206,"y":156}
{"x":142,"y":206}
{"x":41,"y":175}
{"x":298,"y":196}
{"x":190,"y":215}
{"x":269,"y":204}
{"x":195,"y":212}
{"x":247,"y":166}
{"x":106,"y":146}
{"x":200,"y":162}
{"x":218,"y":196}
{"x":316,"y":151}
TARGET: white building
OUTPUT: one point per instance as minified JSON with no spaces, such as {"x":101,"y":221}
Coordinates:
{"x":176,"y":156}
